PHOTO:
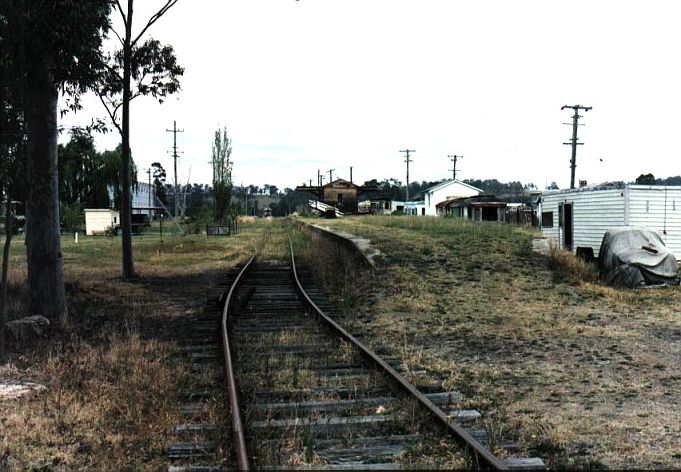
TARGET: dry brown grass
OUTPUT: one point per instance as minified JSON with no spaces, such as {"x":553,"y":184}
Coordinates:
{"x":569,"y":268}
{"x":579,"y":374}
{"x":112,"y":369}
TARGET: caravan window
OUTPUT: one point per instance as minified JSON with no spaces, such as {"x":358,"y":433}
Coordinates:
{"x":547,"y":219}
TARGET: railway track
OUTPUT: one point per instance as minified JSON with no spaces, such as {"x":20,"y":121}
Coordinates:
{"x":304,"y":393}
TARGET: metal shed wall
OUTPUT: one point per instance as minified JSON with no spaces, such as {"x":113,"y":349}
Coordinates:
{"x":657,"y":208}
{"x":594,"y":212}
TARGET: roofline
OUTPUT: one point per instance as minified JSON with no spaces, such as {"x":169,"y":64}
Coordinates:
{"x":594,"y":188}
{"x":449,"y":182}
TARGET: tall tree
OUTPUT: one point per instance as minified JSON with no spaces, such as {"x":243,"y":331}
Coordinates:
{"x":155,"y":71}
{"x":159,"y":176}
{"x":222,"y":175}
{"x":55,"y":45}
{"x":645,"y":179}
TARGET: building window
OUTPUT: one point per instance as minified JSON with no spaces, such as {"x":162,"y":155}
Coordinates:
{"x":547,"y":219}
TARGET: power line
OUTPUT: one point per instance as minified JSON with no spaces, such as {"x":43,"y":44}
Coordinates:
{"x":407,"y":160}
{"x":573,"y":141}
{"x":175,"y":131}
{"x":454,"y":159}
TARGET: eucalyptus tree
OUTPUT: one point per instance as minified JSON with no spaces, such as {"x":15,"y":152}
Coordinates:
{"x":158,"y":173}
{"x":154,"y":69}
{"x":53,"y":46}
{"x":222,"y":174}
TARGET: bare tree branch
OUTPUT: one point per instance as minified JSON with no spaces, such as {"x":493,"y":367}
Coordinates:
{"x":120,"y":10}
{"x":114,"y":71}
{"x":154,"y":18}
{"x":118,"y":36}
{"x":111,"y":115}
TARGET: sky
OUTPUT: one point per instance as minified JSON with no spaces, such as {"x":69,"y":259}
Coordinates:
{"x":329,"y":84}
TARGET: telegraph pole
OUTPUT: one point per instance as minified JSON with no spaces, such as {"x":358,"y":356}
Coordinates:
{"x":149,"y":175}
{"x":573,"y":141}
{"x":331,"y":175}
{"x":175,"y":131}
{"x":350,"y":174}
{"x":319,"y":178}
{"x":453,"y":159}
{"x":407,"y":160}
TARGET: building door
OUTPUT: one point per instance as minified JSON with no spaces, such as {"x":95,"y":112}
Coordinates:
{"x":567,"y":226}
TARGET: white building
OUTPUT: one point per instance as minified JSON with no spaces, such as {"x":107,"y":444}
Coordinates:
{"x":415,"y":208}
{"x":444,"y":191}
{"x":580,"y":217}
{"x":143,"y":198}
{"x":98,"y":220}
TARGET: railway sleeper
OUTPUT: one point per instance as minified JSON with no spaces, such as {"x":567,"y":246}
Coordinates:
{"x":443,"y":399}
{"x":196,"y":468}
{"x":334,"y":426}
{"x":191,"y":450}
{"x":342,"y":392}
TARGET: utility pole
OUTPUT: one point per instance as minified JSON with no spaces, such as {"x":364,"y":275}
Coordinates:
{"x":175,"y":131}
{"x":331,"y":175}
{"x":350,"y":174}
{"x":319,"y":178}
{"x":453,"y":159}
{"x":407,"y":160}
{"x":149,"y":175}
{"x":573,"y":142}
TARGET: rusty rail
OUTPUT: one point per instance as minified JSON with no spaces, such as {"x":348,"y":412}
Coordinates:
{"x":483,"y":457}
{"x":237,"y":425}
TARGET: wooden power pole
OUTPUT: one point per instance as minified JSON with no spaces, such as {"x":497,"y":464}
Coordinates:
{"x":407,"y":160}
{"x":573,"y":141}
{"x":176,"y":191}
{"x":453,"y":169}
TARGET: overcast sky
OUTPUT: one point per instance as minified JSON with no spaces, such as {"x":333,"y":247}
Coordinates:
{"x":320,"y":84}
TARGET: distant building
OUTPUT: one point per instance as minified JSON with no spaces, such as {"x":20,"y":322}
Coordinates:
{"x":444,"y":191}
{"x":143,"y":198}
{"x":417,"y":208}
{"x":385,"y":206}
{"x":477,"y":208}
{"x":99,"y":220}
{"x":340,"y":194}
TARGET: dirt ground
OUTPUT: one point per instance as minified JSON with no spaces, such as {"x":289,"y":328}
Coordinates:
{"x":582,"y":375}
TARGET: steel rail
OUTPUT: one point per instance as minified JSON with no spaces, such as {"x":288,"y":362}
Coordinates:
{"x":484,"y":458}
{"x":237,"y":425}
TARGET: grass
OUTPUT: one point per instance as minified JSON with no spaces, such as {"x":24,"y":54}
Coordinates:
{"x":112,"y":368}
{"x":585,"y":376}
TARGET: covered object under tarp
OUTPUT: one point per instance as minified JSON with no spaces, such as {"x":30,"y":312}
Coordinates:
{"x":636,"y":258}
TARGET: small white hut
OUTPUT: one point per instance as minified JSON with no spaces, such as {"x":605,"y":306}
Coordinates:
{"x":98,"y":220}
{"x":579,"y":218}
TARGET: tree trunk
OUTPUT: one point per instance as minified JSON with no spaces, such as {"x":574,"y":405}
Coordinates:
{"x":5,"y":268}
{"x":126,"y":220}
{"x":44,"y":259}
